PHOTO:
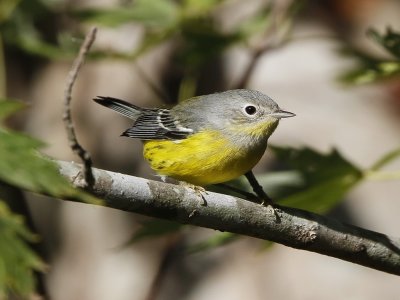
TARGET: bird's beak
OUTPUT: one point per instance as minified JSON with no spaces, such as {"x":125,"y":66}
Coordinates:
{"x":279,"y":114}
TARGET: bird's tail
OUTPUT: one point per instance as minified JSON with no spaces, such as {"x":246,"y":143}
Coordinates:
{"x":125,"y":108}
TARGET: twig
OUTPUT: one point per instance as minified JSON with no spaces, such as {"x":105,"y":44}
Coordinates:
{"x":295,"y":228}
{"x":169,"y":257}
{"x":67,"y":118}
{"x":382,"y":175}
{"x":159,"y":92}
{"x":389,"y":157}
{"x":244,"y":80}
{"x":263,"y":46}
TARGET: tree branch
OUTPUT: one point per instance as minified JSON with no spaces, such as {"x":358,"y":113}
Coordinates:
{"x":67,"y":117}
{"x":294,"y":228}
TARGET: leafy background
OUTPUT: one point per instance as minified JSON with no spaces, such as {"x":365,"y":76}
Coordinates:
{"x":334,"y":63}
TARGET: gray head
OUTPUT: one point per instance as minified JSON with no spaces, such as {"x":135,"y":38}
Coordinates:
{"x":237,"y":111}
{"x":253,"y":105}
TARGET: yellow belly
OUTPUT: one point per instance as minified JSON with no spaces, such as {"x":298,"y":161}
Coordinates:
{"x":201,"y":159}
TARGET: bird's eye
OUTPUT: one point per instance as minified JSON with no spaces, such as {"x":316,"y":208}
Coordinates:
{"x":250,"y":110}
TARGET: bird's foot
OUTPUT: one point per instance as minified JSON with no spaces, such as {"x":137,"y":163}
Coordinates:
{"x":199,"y":190}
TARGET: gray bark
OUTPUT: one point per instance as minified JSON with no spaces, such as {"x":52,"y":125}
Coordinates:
{"x":288,"y":226}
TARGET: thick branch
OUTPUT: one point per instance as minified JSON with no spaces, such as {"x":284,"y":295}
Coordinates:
{"x":294,"y":228}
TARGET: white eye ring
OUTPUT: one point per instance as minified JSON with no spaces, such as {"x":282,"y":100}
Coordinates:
{"x":250,"y":110}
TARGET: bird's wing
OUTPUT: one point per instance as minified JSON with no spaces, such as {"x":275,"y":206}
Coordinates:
{"x":149,"y":124}
{"x":157,"y":124}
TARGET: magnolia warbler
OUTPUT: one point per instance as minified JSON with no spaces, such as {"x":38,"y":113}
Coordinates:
{"x":205,"y":140}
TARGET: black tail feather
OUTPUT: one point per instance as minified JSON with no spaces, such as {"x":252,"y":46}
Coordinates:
{"x":125,"y":108}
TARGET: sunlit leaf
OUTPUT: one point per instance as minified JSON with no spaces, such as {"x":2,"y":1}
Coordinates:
{"x":373,"y":73}
{"x":371,"y":69}
{"x":6,"y":8}
{"x":155,"y":13}
{"x":198,"y":8}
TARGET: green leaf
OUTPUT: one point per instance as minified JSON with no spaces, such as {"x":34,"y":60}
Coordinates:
{"x":322,"y":197}
{"x":21,"y":165}
{"x":390,"y":40}
{"x":371,"y":69}
{"x":8,"y":107}
{"x":151,"y":40}
{"x":198,"y":8}
{"x":316,"y":182}
{"x":6,"y":9}
{"x":159,"y":17}
{"x":153,"y":13}
{"x":21,"y":32}
{"x":17,"y":260}
{"x":326,"y":178}
{"x":372,"y":73}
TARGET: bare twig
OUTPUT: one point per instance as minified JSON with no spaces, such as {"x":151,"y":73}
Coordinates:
{"x":159,"y":92}
{"x":392,"y":155}
{"x":169,"y":257}
{"x":294,"y":228}
{"x":266,"y":43}
{"x":67,"y":118}
{"x":256,"y":55}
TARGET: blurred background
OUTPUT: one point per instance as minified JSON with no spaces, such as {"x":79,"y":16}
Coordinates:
{"x":335,"y":64}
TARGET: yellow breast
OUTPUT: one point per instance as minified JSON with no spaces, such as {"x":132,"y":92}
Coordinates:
{"x":202,"y":159}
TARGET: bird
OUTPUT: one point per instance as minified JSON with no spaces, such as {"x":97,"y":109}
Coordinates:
{"x":205,"y":140}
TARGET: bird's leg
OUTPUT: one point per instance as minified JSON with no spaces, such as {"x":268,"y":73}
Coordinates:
{"x":257,"y":188}
{"x":199,"y":190}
